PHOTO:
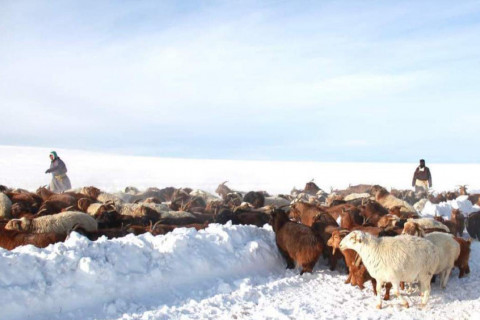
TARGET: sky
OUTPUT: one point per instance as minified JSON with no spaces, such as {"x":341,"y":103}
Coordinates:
{"x":344,"y":81}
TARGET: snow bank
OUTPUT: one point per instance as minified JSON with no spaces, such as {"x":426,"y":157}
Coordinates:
{"x":106,"y":276}
{"x":444,"y":209}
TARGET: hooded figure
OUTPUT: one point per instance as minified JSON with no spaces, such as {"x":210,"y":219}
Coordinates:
{"x":422,"y":179}
{"x":60,"y":182}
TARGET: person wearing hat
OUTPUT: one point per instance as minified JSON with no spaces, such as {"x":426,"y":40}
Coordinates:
{"x":422,"y":178}
{"x":60,"y":182}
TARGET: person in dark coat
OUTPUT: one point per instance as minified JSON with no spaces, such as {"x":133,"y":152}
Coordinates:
{"x":422,"y":178}
{"x":60,"y":182}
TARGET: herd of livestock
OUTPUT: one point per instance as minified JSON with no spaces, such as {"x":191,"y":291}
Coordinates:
{"x":376,"y":233}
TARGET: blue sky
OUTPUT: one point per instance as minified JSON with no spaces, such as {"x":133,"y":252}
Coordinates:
{"x":382,"y":81}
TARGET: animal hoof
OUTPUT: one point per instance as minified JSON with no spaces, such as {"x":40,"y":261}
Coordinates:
{"x":406,"y":305}
{"x":379,"y":306}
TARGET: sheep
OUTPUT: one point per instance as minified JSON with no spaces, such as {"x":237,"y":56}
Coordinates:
{"x":358,"y":273}
{"x":449,"y":251}
{"x":429,"y":223}
{"x":296,"y":242}
{"x":462,"y":261}
{"x":414,"y":229}
{"x":208,"y":197}
{"x":10,"y":239}
{"x":355,"y":196}
{"x":5,"y":206}
{"x":388,"y":201}
{"x":395,"y":259}
{"x":61,"y":223}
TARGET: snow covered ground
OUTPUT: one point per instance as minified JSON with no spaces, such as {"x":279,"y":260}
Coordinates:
{"x":222,"y":272}
{"x":25,"y":166}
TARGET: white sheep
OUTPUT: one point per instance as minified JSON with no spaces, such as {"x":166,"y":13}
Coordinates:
{"x":395,"y":259}
{"x":355,"y":196}
{"x":449,"y":250}
{"x":429,"y":223}
{"x":59,"y":223}
{"x":5,"y":206}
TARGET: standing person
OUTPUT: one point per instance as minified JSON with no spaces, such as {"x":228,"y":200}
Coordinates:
{"x":422,"y":178}
{"x":60,"y":182}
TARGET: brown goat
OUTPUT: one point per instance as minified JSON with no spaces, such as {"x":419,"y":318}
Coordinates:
{"x":402,"y":215}
{"x":462,"y":261}
{"x":305,"y":212}
{"x":372,"y":211}
{"x":451,"y":225}
{"x":458,"y":219}
{"x":10,"y":239}
{"x":296,"y":242}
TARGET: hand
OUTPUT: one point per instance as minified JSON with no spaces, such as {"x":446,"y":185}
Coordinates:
{"x":46,"y":171}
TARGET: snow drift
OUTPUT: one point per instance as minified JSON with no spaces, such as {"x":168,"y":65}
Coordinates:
{"x":79,"y":274}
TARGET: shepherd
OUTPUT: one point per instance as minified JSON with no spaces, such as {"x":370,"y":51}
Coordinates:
{"x":60,"y":181}
{"x":422,"y":178}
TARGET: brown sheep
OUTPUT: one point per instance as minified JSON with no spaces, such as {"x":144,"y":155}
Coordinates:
{"x":462,"y":261}
{"x":296,"y":242}
{"x":458,"y":219}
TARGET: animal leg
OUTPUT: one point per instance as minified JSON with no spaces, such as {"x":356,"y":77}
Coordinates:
{"x":445,"y":277}
{"x":379,"y":294}
{"x":290,"y":262}
{"x":374,"y":285}
{"x":396,"y":289}
{"x":348,"y":278}
{"x":388,"y":286}
{"x":308,"y":267}
{"x":425,"y":288}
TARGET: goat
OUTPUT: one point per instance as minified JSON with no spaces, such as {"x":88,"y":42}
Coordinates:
{"x":296,"y":242}
{"x":473,"y":225}
{"x":458,"y":220}
{"x":10,"y":239}
{"x":462,"y":262}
